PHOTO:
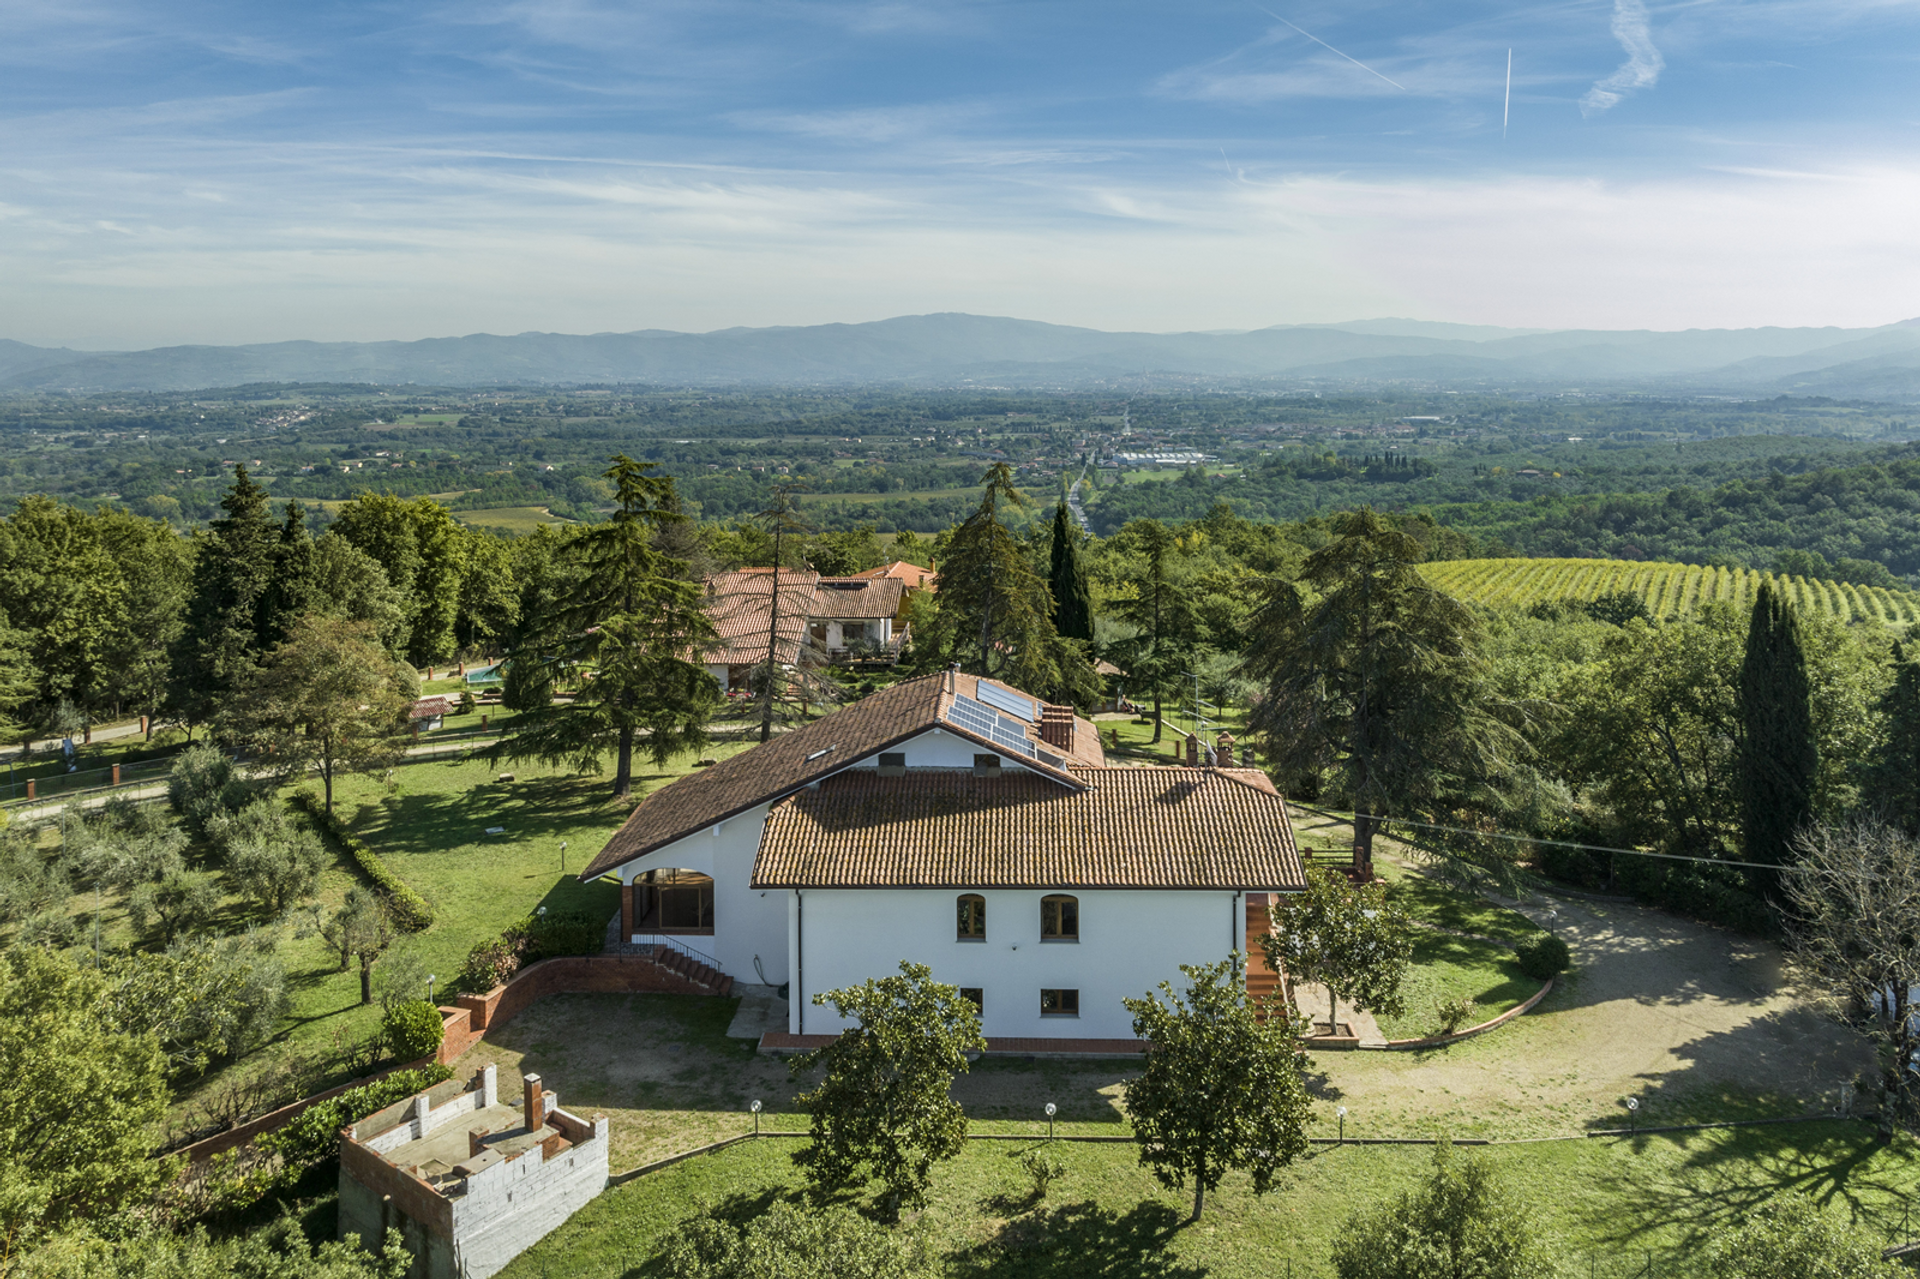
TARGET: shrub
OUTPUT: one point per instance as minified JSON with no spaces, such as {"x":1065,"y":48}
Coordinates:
{"x":413,"y":1028}
{"x":269,"y":859}
{"x":204,"y":782}
{"x":409,"y":908}
{"x":314,"y":1136}
{"x":1458,"y":1222}
{"x":466,"y":703}
{"x":1544,"y":957}
{"x":791,"y":1243}
{"x":1455,"y":1013}
{"x":492,"y":963}
{"x":562,"y":933}
{"x":1791,"y":1237}
{"x":1042,"y":1170}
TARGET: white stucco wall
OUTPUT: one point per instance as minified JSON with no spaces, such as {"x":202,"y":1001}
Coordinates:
{"x":1130,"y":941}
{"x":938,"y":749}
{"x":746,"y":921}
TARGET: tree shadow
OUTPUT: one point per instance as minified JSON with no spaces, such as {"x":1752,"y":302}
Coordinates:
{"x":1082,"y":1241}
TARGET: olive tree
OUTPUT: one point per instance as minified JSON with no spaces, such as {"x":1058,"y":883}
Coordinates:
{"x":1346,"y":936}
{"x":1221,"y":1087}
{"x":883,"y":1108}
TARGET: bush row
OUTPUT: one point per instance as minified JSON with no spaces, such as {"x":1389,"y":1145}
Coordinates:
{"x":1716,"y":894}
{"x":409,"y":907}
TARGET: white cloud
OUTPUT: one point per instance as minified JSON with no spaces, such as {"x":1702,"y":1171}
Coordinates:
{"x":1633,"y":28}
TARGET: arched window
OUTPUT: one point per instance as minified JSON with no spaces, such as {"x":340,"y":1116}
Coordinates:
{"x":1059,"y":918}
{"x":973,"y":917}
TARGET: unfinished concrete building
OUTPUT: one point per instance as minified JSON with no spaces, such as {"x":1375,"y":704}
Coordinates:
{"x":470,"y":1183}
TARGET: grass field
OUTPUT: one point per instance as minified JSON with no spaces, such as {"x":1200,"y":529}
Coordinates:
{"x":1611,"y":1205}
{"x":1665,"y":589}
{"x":515,"y":519}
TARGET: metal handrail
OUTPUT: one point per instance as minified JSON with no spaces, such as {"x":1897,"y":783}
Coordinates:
{"x":671,"y":941}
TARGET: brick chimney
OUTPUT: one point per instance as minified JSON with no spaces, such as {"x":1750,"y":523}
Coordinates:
{"x":536,"y":1111}
{"x":1225,"y":748}
{"x":1056,"y":728}
{"x":1193,"y":751}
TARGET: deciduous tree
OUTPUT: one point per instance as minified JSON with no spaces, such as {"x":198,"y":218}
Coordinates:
{"x":1854,"y":897}
{"x":329,"y":700}
{"x":1792,"y":1237}
{"x":105,"y":1087}
{"x":1346,"y":936}
{"x":883,"y":1108}
{"x":1221,"y":1088}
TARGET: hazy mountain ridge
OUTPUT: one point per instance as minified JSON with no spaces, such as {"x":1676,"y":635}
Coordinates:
{"x":952,"y":348}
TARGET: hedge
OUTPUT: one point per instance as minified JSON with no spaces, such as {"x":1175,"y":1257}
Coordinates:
{"x":314,"y":1136}
{"x":410,"y":909}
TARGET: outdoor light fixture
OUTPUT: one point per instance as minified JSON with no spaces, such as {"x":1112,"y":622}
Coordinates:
{"x":429,"y":987}
{"x":1051,"y":1108}
{"x":563,"y":857}
{"x":1342,"y":1112}
{"x":541,"y":911}
{"x":754,"y":1106}
{"x":1633,"y":1114}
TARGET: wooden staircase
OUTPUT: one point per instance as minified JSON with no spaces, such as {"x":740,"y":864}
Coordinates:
{"x":685,"y":965}
{"x":1263,"y":983}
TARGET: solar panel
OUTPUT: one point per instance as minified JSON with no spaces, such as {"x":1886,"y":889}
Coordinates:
{"x":975,"y":718}
{"x":1012,"y":703}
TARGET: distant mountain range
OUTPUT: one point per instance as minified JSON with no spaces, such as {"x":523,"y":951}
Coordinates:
{"x":956,"y":350}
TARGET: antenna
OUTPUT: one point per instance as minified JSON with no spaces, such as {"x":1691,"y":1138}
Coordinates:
{"x":1506,"y":108}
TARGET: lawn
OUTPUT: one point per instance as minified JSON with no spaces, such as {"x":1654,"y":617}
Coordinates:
{"x":1610,"y":1204}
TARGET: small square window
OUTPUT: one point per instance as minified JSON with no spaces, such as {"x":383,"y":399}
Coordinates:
{"x":986,"y":765}
{"x":976,"y":996}
{"x":1059,"y":1003}
{"x":893,"y":764}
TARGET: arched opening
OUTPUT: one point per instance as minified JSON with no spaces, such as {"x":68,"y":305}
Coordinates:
{"x":1059,"y":918}
{"x":972,"y":925}
{"x":673,"y":901}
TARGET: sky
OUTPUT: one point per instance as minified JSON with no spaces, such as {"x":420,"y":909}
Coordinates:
{"x":213,"y":171}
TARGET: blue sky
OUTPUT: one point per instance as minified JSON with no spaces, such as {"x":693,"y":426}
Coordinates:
{"x":222,"y":172}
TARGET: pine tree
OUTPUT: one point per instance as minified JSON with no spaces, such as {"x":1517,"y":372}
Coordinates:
{"x":1776,"y":756}
{"x":1072,"y":598}
{"x":1893,"y":771}
{"x":233,"y":564}
{"x":628,"y":630}
{"x":1167,"y":630}
{"x":292,"y":587}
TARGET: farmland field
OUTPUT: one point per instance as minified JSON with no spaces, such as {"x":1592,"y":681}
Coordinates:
{"x":1665,"y":589}
{"x":516,"y":519}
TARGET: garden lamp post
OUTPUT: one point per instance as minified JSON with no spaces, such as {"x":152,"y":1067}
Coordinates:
{"x":1342,"y":1113}
{"x":754,"y":1106}
{"x":1633,"y":1114}
{"x":563,"y":857}
{"x":429,"y":987}
{"x":1051,"y":1108}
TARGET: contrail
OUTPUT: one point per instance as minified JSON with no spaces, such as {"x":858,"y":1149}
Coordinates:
{"x":1324,"y":45}
{"x":1506,"y":108}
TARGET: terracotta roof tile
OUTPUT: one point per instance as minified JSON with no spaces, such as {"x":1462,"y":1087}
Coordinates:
{"x":780,"y":766}
{"x":740,"y":605}
{"x":853,"y":598}
{"x":912,"y":575}
{"x":1168,"y":828}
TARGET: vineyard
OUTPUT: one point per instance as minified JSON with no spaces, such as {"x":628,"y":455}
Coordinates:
{"x":1665,"y":589}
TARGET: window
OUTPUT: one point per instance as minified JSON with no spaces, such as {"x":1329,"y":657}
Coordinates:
{"x":1059,"y":918}
{"x":1059,"y":1003}
{"x":673,"y":901}
{"x":986,"y":766}
{"x":975,"y":996}
{"x":893,"y":764}
{"x":973,"y":917}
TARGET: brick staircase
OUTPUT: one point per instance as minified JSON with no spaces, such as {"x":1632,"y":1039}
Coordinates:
{"x":1263,"y":982}
{"x":685,"y":965}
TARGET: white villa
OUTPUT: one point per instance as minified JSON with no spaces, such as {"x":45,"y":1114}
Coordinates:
{"x":839,"y":617}
{"x":962,"y":824}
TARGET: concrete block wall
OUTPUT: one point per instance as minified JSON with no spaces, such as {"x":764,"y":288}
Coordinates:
{"x":513,"y":1205}
{"x":420,"y":1117}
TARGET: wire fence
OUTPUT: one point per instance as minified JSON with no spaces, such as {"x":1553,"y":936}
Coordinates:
{"x":22,"y":789}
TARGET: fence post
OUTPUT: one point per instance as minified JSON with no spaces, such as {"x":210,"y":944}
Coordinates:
{"x":116,"y":774}
{"x":29,"y":788}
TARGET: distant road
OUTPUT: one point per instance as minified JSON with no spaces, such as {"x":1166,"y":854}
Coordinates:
{"x":1073,"y":502}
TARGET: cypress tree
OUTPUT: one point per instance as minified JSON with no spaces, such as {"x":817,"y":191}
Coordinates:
{"x":1072,"y":600}
{"x":232,"y":566}
{"x":1777,"y":757}
{"x":1893,"y":772}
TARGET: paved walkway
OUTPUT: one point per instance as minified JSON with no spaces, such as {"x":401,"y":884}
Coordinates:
{"x":1311,"y":999}
{"x":761,"y":1010}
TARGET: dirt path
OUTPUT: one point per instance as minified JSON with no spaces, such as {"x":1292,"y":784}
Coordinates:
{"x":1694,"y":1021}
